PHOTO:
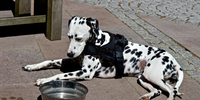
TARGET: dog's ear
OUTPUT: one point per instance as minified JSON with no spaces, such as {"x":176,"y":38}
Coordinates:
{"x":94,"y":25}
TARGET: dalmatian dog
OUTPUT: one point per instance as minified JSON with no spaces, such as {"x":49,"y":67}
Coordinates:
{"x":152,"y":66}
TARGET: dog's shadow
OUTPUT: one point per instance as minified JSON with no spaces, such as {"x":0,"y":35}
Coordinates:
{"x":66,"y":66}
{"x":39,"y":97}
{"x":69,"y":66}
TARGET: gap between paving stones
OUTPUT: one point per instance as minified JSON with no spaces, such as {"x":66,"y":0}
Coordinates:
{"x":127,"y":12}
{"x":132,"y":86}
{"x":42,"y":53}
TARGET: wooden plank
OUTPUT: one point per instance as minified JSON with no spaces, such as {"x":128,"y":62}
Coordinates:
{"x":22,"y":7}
{"x":6,"y":14}
{"x":54,"y":19}
{"x":22,"y":20}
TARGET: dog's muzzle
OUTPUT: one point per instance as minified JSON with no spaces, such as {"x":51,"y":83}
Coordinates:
{"x":71,"y":54}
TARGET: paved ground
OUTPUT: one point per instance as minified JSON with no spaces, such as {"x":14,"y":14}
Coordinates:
{"x":18,"y":51}
{"x":186,"y":11}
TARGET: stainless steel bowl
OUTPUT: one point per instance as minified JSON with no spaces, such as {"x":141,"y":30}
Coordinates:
{"x":63,"y":90}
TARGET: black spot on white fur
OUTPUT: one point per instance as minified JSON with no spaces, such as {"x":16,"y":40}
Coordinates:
{"x":93,"y":59}
{"x":81,"y":22}
{"x":95,"y":67}
{"x":127,"y":47}
{"x":90,"y":57}
{"x":65,"y":75}
{"x":112,"y":69}
{"x":133,"y":51}
{"x":133,"y":59}
{"x":91,"y":70}
{"x":165,"y":60}
{"x":150,"y":49}
{"x":87,"y":76}
{"x":70,"y":74}
{"x":125,"y":60}
{"x":89,"y":66}
{"x":148,"y":65}
{"x":71,"y":37}
{"x":138,"y":54}
{"x":128,"y":51}
{"x":79,"y":73}
{"x":84,"y":70}
{"x":106,"y":72}
{"x":158,"y":53}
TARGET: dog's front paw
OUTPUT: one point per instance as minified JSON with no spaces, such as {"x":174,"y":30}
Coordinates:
{"x":146,"y":96}
{"x":41,"y":81}
{"x":29,"y":68}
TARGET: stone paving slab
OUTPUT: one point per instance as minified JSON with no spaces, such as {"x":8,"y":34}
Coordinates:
{"x":12,"y":63}
{"x":18,"y":43}
{"x":16,"y":52}
{"x":53,"y":49}
{"x":185,"y":34}
{"x":110,"y":89}
{"x":104,"y":17}
{"x":19,"y":92}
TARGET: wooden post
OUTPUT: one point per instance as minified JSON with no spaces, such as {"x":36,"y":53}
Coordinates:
{"x":22,"y":8}
{"x":53,"y":11}
{"x":54,"y":19}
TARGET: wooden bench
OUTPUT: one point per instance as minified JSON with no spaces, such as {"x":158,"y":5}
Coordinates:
{"x":48,"y":12}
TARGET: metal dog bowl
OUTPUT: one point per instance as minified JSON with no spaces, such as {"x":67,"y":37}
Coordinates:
{"x":63,"y":90}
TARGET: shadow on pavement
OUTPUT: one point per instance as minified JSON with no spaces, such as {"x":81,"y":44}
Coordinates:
{"x":16,"y":30}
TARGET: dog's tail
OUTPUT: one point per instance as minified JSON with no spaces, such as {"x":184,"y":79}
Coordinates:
{"x":180,"y":78}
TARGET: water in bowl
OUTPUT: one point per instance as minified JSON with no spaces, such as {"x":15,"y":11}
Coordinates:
{"x":66,"y":93}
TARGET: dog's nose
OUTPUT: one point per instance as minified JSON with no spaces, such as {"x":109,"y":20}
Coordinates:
{"x":70,"y":54}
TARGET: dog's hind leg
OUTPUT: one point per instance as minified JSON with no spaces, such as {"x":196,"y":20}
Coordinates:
{"x":147,"y":85}
{"x":44,"y":64}
{"x":163,"y":85}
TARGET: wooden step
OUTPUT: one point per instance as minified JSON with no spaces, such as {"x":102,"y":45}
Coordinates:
{"x":6,"y":14}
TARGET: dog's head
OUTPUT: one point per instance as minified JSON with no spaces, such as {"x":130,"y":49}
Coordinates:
{"x":81,"y":29}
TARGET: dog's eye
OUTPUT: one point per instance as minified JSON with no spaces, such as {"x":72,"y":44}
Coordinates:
{"x":78,"y":39}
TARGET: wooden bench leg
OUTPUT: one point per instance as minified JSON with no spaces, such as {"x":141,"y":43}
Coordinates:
{"x":54,"y":19}
{"x":22,"y":8}
{"x":53,"y":11}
